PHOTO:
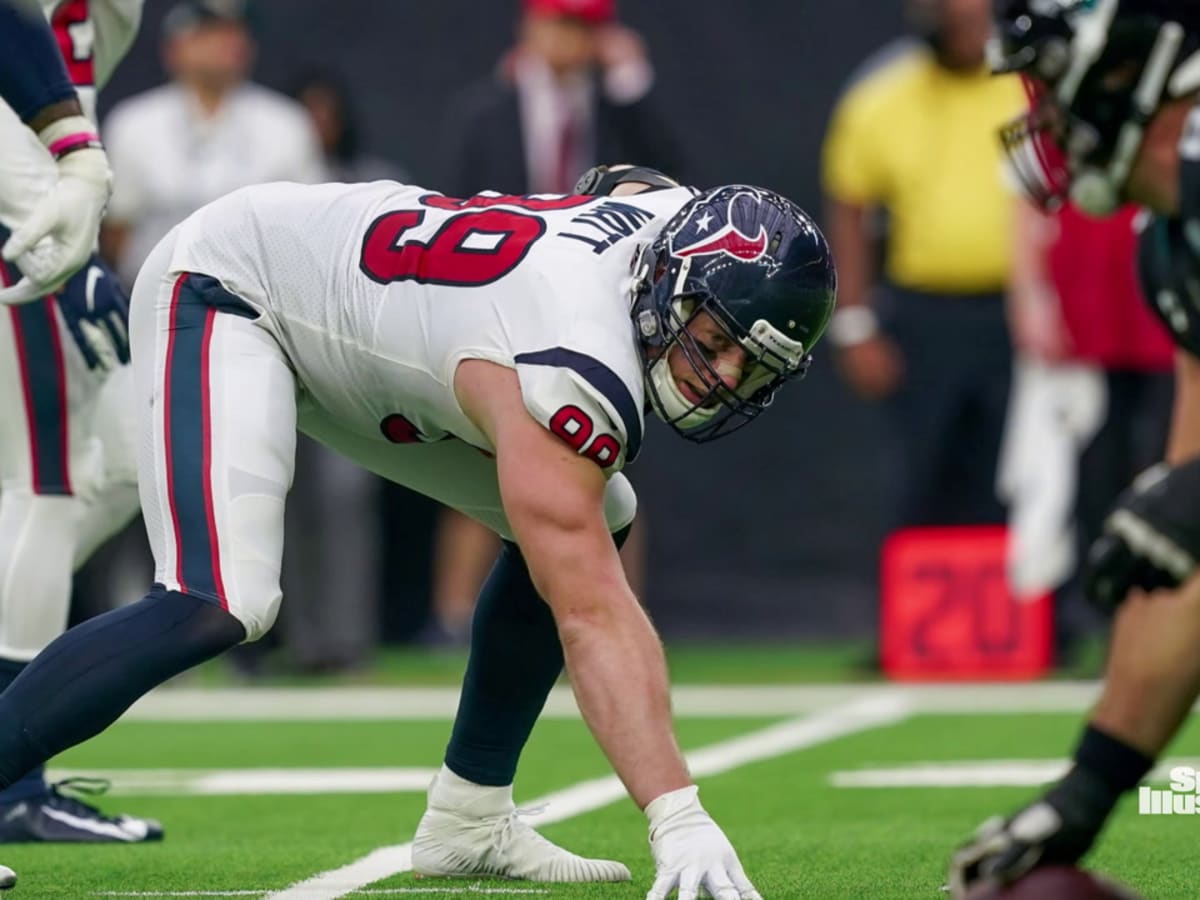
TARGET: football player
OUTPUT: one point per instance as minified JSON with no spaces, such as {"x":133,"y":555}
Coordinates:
{"x":495,"y":353}
{"x":1113,"y":86}
{"x":67,"y":476}
{"x":57,"y":232}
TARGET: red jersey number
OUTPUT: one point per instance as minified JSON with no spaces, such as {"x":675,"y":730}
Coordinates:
{"x":575,"y":427}
{"x":470,"y":249}
{"x":73,"y":31}
{"x":478,"y":246}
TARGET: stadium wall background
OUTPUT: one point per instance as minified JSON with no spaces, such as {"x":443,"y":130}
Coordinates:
{"x":773,"y":531}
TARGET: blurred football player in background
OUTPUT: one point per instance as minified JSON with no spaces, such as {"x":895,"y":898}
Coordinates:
{"x":33,"y":80}
{"x":36,"y":86}
{"x":67,"y":475}
{"x":481,"y":352}
{"x":1113,"y":86}
{"x":1091,"y":401}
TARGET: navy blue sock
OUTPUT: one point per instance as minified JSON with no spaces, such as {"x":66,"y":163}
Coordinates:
{"x":87,"y":677}
{"x":34,"y":781}
{"x":515,"y":659}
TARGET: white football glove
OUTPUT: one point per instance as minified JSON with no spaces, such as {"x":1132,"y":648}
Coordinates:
{"x":57,"y":238}
{"x":691,"y":852}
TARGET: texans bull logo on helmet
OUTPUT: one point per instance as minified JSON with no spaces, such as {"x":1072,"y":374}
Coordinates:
{"x":705,"y":234}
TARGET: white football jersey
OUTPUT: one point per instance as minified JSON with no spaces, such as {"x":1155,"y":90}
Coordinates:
{"x":93,"y":36}
{"x":376,"y":292}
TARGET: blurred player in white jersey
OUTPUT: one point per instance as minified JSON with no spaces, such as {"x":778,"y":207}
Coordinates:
{"x":67,"y":476}
{"x":59,"y":231}
{"x":495,"y":353}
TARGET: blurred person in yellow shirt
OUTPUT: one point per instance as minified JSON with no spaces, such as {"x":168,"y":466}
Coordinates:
{"x":913,"y":139}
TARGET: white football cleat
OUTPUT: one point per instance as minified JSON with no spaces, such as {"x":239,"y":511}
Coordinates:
{"x":470,"y":831}
{"x":7,"y":878}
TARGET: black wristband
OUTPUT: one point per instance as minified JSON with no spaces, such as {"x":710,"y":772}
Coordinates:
{"x":1113,"y":761}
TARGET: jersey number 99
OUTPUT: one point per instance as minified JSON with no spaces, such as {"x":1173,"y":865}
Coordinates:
{"x":478,"y":246}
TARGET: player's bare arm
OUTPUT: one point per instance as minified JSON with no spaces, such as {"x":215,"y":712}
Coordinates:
{"x":866,"y":357}
{"x":554,"y":498}
{"x":1184,"y":440}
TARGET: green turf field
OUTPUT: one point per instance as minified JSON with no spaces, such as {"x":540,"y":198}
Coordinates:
{"x":798,"y":834}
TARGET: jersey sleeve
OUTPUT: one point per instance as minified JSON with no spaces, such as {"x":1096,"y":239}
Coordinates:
{"x":116,"y":25}
{"x":583,"y":402}
{"x":32,"y":73}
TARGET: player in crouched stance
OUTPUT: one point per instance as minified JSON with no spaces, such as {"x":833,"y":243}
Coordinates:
{"x":480,"y":351}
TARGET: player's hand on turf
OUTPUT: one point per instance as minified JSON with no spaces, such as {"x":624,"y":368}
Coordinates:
{"x":1151,"y":538}
{"x":1050,"y":831}
{"x":94,"y":306}
{"x":691,"y":852}
{"x":57,"y":238}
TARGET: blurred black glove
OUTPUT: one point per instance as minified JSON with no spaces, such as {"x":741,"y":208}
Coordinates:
{"x":1151,"y":538}
{"x":1056,"y":829}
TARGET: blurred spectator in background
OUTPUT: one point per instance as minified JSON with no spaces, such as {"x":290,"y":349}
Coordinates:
{"x":915,"y":137}
{"x":1091,"y":401}
{"x":574,"y":92}
{"x":204,"y":134}
{"x":334,"y":117}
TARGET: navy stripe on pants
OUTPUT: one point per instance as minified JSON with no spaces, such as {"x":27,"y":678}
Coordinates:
{"x":187,"y":409}
{"x":44,"y":387}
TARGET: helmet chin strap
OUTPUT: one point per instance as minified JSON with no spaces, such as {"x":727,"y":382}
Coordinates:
{"x":668,"y":401}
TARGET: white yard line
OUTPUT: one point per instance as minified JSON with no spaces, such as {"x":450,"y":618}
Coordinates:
{"x":472,"y":889}
{"x":867,"y":712}
{"x":225,"y":782}
{"x":978,"y":773}
{"x":350,"y":703}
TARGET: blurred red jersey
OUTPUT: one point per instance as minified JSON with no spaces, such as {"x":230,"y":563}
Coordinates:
{"x":1092,"y":265}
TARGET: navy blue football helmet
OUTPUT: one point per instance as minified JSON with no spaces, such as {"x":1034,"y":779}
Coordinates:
{"x":758,"y":265}
{"x":1096,"y":72}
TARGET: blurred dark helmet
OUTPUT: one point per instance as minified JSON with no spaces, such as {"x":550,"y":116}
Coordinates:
{"x":1095,"y":72}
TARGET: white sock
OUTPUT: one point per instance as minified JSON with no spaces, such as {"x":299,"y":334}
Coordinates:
{"x":455,"y":792}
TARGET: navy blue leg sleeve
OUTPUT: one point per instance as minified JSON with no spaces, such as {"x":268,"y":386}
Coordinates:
{"x":87,"y":677}
{"x":515,"y":659}
{"x":34,"y":781}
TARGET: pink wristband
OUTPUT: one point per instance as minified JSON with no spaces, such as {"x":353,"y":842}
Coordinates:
{"x":60,"y":148}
